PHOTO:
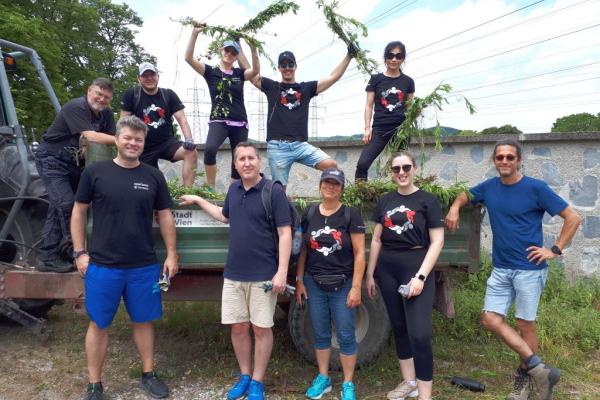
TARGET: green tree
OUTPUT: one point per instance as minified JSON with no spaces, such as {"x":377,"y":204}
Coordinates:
{"x":582,"y":122}
{"x":468,"y":132}
{"x":503,"y":130}
{"x":77,"y":42}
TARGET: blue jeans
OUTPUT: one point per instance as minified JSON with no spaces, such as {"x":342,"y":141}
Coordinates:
{"x":523,"y":287}
{"x":282,"y":155}
{"x":325,"y":307}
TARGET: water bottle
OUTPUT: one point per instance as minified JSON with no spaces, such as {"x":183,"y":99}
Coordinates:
{"x":467,"y":383}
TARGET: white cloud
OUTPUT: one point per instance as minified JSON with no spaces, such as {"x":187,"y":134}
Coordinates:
{"x":342,"y":105}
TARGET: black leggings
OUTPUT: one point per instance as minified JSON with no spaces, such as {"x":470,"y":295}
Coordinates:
{"x":379,"y":138}
{"x":217,"y":133}
{"x":410,"y":319}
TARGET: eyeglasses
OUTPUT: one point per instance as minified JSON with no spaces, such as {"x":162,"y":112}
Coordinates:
{"x":397,"y":56}
{"x":287,"y":66}
{"x":230,"y":50}
{"x":507,"y":157}
{"x":406,"y":168}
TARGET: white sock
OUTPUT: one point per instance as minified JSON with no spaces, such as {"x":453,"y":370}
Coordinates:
{"x":412,"y":383}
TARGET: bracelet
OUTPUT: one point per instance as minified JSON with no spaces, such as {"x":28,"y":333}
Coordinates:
{"x":299,"y":278}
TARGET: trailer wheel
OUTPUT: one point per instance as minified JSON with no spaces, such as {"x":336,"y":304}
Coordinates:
{"x":372,"y":331}
{"x":13,"y":253}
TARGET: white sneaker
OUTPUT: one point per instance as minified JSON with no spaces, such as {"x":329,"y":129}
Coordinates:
{"x":402,"y":391}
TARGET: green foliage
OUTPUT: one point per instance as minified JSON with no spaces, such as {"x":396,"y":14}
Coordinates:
{"x":568,"y":313}
{"x":362,"y":193}
{"x":77,"y":41}
{"x":410,"y":127}
{"x":221,"y":33}
{"x":206,"y":192}
{"x":503,"y":130}
{"x":468,"y":132}
{"x":582,"y":122}
{"x":345,"y":28}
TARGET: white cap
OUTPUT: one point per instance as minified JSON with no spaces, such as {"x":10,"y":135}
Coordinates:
{"x":146,"y":66}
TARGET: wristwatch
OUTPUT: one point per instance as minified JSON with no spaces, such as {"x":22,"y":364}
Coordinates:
{"x":556,"y":250}
{"x":78,"y":253}
{"x":420,"y":277}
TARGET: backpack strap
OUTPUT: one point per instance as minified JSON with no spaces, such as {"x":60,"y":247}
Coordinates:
{"x":311,"y":211}
{"x":163,"y":96}
{"x":347,"y":217}
{"x":266,"y":196}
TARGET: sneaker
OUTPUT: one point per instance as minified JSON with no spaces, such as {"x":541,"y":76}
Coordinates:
{"x":402,"y":391}
{"x":240,"y":388}
{"x":154,"y":386}
{"x":94,"y":391}
{"x":319,"y":386}
{"x":56,"y":266}
{"x":544,"y":377}
{"x":256,"y":391}
{"x":521,"y":387}
{"x":348,"y":391}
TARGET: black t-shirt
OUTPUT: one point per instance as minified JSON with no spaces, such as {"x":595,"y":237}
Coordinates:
{"x":123,"y":203}
{"x":152,"y":109}
{"x":76,"y":117}
{"x":390,"y":98}
{"x":287,"y":117}
{"x":226,"y":94}
{"x":329,"y":243}
{"x":407,"y":219}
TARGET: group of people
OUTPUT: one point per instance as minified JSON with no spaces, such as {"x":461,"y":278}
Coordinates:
{"x":128,"y":192}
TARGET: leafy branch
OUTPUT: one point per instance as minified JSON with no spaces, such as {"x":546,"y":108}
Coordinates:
{"x":346,"y":29}
{"x":410,"y":127}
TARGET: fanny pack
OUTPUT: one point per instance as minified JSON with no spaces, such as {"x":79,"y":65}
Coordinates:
{"x":330,"y":282}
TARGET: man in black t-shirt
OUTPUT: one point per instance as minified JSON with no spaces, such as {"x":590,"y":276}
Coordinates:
{"x":59,"y":162}
{"x":157,"y":107}
{"x":287,"y":117}
{"x":122,"y":263}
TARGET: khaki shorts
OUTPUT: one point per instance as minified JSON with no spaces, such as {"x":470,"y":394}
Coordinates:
{"x":247,"y":302}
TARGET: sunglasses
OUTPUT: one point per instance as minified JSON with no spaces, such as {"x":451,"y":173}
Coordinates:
{"x":397,"y":56}
{"x":508,"y":157}
{"x":287,"y":65}
{"x":406,"y":168}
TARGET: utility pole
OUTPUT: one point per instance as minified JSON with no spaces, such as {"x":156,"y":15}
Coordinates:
{"x":314,"y":116}
{"x":196,"y":116}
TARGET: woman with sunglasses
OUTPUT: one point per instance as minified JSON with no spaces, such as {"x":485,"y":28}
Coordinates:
{"x":388,"y":94}
{"x":328,"y":275}
{"x":407,"y":240}
{"x":228,"y":117}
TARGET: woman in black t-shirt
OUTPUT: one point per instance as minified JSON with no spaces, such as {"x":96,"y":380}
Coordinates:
{"x":388,"y":94}
{"x":329,"y":274}
{"x":228,"y":117}
{"x":407,"y":241}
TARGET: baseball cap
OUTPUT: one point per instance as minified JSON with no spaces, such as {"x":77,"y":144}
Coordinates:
{"x":286,"y":55}
{"x":231,"y":43}
{"x":146,"y":66}
{"x":334,"y":174}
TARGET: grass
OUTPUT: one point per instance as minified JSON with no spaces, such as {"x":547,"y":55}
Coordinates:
{"x":569,"y":333}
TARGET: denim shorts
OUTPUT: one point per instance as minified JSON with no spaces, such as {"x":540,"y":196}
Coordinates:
{"x":523,"y":287}
{"x":105,"y":286}
{"x":282,"y":155}
{"x":325,"y":307}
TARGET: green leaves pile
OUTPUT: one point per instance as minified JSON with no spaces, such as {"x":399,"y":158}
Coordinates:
{"x":346,"y":29}
{"x":177,"y":190}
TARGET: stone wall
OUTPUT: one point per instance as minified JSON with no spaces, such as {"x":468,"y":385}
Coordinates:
{"x":569,"y":163}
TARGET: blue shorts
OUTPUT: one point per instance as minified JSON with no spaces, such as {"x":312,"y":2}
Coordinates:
{"x":282,"y":155}
{"x":104,"y":288}
{"x":523,"y":287}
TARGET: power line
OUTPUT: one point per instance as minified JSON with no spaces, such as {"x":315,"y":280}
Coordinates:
{"x":478,"y":25}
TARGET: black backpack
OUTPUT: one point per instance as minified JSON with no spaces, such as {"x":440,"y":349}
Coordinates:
{"x":267,"y":201}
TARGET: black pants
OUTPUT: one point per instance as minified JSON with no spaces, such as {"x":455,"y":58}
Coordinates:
{"x":217,"y":133}
{"x":410,"y":319}
{"x":379,"y":138}
{"x":60,"y":175}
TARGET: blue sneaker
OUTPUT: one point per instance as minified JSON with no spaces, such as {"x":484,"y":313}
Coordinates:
{"x":240,"y":388}
{"x":256,"y":391}
{"x":319,"y":386}
{"x":348,"y":391}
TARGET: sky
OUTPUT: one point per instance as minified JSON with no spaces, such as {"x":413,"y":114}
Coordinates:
{"x":523,"y":63}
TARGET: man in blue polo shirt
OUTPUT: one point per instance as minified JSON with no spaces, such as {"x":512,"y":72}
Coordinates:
{"x":253,"y":259}
{"x":516,"y":205}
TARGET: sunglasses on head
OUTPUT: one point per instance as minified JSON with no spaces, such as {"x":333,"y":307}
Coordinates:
{"x":406,"y":168}
{"x":397,"y":56}
{"x":507,"y":157}
{"x":287,"y":65}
